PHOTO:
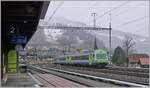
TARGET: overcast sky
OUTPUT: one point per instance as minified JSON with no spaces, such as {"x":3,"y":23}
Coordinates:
{"x":127,"y":16}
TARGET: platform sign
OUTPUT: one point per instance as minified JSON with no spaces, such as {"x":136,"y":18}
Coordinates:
{"x":12,"y":61}
{"x":18,"y":39}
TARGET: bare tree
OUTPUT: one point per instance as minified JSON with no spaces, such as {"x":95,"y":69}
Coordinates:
{"x":128,"y":44}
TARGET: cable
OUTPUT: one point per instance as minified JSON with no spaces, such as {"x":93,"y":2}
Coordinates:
{"x":141,"y":18}
{"x":122,"y":11}
{"x":55,"y":10}
{"x":114,"y":8}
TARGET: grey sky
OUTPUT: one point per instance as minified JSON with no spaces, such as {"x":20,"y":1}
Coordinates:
{"x":132,"y":16}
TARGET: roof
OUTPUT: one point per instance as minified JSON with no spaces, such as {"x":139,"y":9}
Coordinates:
{"x":22,"y":17}
{"x":138,"y":55}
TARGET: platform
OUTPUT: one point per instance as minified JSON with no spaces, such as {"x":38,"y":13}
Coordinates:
{"x":20,"y":80}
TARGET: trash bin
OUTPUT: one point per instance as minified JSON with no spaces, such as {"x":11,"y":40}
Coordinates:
{"x":23,"y":68}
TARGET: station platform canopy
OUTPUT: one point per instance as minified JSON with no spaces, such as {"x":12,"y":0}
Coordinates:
{"x":19,"y":22}
{"x":21,"y":18}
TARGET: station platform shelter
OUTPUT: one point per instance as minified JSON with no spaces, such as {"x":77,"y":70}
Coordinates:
{"x":19,"y":21}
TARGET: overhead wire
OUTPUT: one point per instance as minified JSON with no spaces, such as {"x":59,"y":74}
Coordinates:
{"x":122,"y":11}
{"x":114,"y":8}
{"x":60,"y":4}
{"x":132,"y":21}
{"x":105,"y":13}
{"x":141,"y":18}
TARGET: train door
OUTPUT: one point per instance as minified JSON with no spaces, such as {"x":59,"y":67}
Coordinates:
{"x":91,"y":58}
{"x":70,"y":61}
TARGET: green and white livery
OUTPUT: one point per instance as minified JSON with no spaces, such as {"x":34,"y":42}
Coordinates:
{"x":97,"y":57}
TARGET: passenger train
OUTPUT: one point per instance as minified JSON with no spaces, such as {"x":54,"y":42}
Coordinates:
{"x":96,"y":58}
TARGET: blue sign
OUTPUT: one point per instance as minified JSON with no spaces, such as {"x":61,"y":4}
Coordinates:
{"x":18,"y":39}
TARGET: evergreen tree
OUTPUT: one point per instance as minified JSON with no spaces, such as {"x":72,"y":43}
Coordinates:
{"x":119,"y":57}
{"x":95,"y":44}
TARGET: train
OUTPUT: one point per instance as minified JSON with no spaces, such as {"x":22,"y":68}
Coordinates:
{"x":97,"y":57}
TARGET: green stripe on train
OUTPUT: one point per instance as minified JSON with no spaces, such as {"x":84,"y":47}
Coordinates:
{"x":102,"y":60}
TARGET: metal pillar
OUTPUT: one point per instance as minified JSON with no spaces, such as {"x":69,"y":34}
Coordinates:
{"x":94,"y":20}
{"x":110,"y":37}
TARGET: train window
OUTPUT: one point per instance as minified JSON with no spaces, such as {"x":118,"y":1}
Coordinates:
{"x":99,"y":56}
{"x":86,"y":57}
{"x":62,"y":58}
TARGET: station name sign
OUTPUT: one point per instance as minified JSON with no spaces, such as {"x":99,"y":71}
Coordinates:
{"x":18,"y":39}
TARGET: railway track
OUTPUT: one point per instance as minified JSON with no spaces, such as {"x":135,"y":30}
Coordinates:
{"x":44,"y":79}
{"x":139,"y":70}
{"x":112,"y":81}
{"x":123,"y":75}
{"x":144,"y":73}
{"x":143,"y":70}
{"x":115,"y":71}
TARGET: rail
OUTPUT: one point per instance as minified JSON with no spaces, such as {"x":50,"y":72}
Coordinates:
{"x":94,"y":77}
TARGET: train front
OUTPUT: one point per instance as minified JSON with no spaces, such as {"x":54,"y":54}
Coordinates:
{"x":101,"y":57}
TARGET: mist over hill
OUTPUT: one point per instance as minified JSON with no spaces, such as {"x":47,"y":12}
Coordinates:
{"x":83,"y":39}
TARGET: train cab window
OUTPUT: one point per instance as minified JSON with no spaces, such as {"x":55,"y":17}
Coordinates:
{"x":101,"y":56}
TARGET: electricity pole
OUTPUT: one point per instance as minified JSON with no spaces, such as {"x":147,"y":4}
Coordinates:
{"x":94,"y":25}
{"x":110,"y":36}
{"x":94,"y":20}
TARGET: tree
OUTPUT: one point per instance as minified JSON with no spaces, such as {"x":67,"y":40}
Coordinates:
{"x":119,"y":57}
{"x":95,"y":44}
{"x":128,"y":44}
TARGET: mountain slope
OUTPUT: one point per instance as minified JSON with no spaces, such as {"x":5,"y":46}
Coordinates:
{"x":84,"y":39}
